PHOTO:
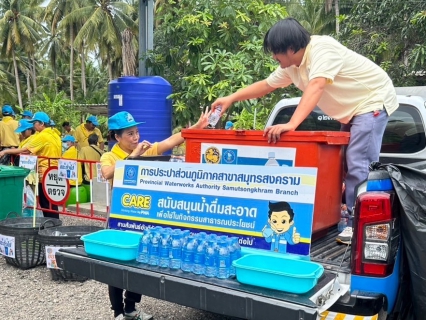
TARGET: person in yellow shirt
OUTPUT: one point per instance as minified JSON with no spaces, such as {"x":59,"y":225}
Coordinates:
{"x":92,"y":153}
{"x":46,"y":144}
{"x":124,"y":130}
{"x":83,"y":131}
{"x":68,"y":130}
{"x":8,"y":138}
{"x":72,"y":154}
{"x":26,"y":131}
{"x":52,"y":125}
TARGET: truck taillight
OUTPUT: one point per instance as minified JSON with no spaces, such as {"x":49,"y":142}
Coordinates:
{"x":376,"y":234}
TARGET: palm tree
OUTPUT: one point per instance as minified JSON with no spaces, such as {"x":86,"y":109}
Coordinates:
{"x":19,"y":31}
{"x":104,"y":22}
{"x":55,"y":12}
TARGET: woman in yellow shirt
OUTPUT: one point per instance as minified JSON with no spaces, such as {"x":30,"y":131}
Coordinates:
{"x":125,"y":131}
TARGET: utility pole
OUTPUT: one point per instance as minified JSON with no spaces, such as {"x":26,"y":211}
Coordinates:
{"x":146,"y":33}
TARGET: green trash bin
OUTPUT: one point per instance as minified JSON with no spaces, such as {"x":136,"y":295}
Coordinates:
{"x":12,"y":181}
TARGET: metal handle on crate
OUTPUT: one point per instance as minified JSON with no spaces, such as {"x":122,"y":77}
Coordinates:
{"x":42,"y":225}
{"x":15,"y":213}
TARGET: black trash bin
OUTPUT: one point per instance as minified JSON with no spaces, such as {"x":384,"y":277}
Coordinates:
{"x":29,"y":252}
{"x":65,"y":236}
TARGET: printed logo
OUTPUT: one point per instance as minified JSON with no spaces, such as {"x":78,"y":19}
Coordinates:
{"x":212,"y":155}
{"x":129,"y":118}
{"x":229,"y":156}
{"x":130,"y":175}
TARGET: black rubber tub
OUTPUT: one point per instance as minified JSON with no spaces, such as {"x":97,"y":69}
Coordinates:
{"x":64,"y":237}
{"x":29,"y":251}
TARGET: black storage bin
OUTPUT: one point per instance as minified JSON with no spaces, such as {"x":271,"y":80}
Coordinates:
{"x":65,"y":236}
{"x":29,"y":252}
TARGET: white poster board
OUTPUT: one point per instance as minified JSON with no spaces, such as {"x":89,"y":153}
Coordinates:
{"x":7,"y":246}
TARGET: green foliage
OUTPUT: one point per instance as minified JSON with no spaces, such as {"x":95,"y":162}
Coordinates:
{"x":391,"y":33}
{"x":208,"y":49}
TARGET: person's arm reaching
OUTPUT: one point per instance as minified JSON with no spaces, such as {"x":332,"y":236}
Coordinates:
{"x":310,"y":98}
{"x":255,"y":90}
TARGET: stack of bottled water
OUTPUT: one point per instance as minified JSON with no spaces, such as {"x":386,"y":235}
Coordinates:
{"x":199,"y":253}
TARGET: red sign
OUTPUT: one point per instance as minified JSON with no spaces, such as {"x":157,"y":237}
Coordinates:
{"x":56,"y":189}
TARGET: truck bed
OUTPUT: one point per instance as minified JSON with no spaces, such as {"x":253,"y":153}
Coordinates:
{"x":330,"y":253}
{"x":225,"y":297}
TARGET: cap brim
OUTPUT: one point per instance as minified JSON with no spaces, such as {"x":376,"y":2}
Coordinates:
{"x":20,"y":130}
{"x":134,"y":124}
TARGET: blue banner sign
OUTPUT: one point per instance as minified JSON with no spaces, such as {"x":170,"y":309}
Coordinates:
{"x":267,"y":208}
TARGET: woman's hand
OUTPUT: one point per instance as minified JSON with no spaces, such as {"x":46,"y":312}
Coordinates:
{"x":203,"y":121}
{"x":141,"y":148}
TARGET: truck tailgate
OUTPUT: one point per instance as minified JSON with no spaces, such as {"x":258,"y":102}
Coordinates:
{"x":225,"y":297}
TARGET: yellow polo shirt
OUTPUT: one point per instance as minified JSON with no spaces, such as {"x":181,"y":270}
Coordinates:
{"x":8,"y":137}
{"x":82,"y":135}
{"x":70,"y":133}
{"x":356,"y":85}
{"x":72,"y":154}
{"x":25,"y":141}
{"x":47,"y":144}
{"x":116,"y":153}
{"x":91,"y":153}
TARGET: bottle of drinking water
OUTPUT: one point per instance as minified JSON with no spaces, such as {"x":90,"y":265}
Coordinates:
{"x":153,"y":249}
{"x":175,"y":252}
{"x":188,"y":252}
{"x":164,"y":248}
{"x":223,"y":258}
{"x":235,"y":252}
{"x":143,"y":247}
{"x":214,"y":117}
{"x":210,"y":258}
{"x":200,"y":254}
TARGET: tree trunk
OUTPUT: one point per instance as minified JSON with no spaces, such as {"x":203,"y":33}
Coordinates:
{"x":34,"y":74}
{"x":18,"y":85}
{"x":337,"y":11}
{"x":29,"y":83}
{"x":72,"y":63}
{"x":83,"y":71}
{"x":109,"y":66}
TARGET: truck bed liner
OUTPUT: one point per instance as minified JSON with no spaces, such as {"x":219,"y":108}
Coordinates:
{"x":330,"y":253}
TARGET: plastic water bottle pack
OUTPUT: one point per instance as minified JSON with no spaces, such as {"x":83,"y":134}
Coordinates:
{"x":200,"y":253}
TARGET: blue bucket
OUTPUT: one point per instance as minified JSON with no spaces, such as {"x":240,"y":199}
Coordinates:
{"x":112,"y":244}
{"x":278,"y":273}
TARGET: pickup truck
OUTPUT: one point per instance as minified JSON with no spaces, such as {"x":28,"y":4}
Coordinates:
{"x":352,"y":287}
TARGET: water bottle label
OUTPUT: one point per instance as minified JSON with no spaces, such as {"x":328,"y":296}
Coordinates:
{"x":209,"y":261}
{"x":164,"y":252}
{"x":153,"y":251}
{"x":224,"y":262}
{"x":188,"y":257}
{"x":199,"y":259}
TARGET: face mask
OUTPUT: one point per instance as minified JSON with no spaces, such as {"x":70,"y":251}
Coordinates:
{"x":65,"y":146}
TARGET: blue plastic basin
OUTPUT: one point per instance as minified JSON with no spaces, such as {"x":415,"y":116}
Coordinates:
{"x":279,"y":273}
{"x":113,"y":244}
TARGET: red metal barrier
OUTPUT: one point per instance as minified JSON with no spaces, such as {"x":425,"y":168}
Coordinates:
{"x":60,"y":191}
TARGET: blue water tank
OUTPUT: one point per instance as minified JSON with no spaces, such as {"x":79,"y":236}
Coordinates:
{"x":145,"y":98}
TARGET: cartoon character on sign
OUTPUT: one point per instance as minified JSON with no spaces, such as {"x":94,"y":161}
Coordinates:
{"x":280,"y":229}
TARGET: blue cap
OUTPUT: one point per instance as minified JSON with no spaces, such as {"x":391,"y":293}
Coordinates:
{"x":68,"y":138}
{"x":7,"y":110}
{"x":40,"y":116}
{"x":52,"y":123}
{"x":93,"y":120}
{"x":27,"y":113}
{"x":23,"y":125}
{"x":122,"y":120}
{"x":228,"y":125}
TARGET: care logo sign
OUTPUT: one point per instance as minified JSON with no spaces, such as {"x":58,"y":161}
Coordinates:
{"x":268,"y":209}
{"x":68,"y":169}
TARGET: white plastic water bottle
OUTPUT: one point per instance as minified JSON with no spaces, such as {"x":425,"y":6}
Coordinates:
{"x":272,"y":162}
{"x":214,"y":117}
{"x":210,"y":258}
{"x":223,"y":259}
{"x":143,"y":247}
{"x":153,"y":249}
{"x":200,"y":254}
{"x":164,"y":249}
{"x":188,"y":252}
{"x":235,"y":252}
{"x":175,"y":252}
